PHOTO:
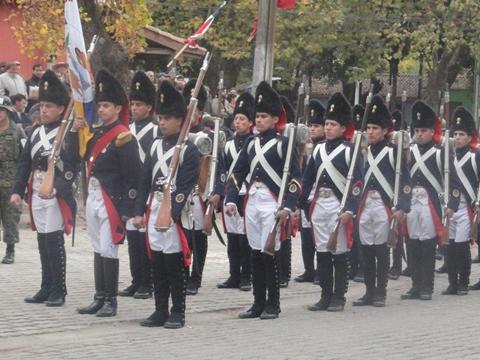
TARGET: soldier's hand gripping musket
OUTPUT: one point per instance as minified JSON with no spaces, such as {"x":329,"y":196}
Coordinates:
{"x":163,"y":221}
{"x":332,"y":241}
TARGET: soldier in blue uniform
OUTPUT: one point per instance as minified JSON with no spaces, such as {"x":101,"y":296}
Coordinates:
{"x":260,"y":164}
{"x":355,"y":256}
{"x":169,"y":250}
{"x":316,"y":123}
{"x":467,"y":164}
{"x":326,"y":176}
{"x":238,"y":249}
{"x":193,"y":213}
{"x":144,"y":128}
{"x":425,"y":216}
{"x":51,"y":214}
{"x":375,"y":213}
{"x":113,"y":169}
{"x":396,"y":269}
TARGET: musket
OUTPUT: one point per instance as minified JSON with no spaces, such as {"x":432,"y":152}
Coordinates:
{"x":388,"y":98}
{"x":269,"y":247}
{"x":446,"y":169}
{"x":394,"y":231}
{"x":163,"y":221}
{"x":208,"y":218}
{"x":333,"y":240}
{"x":47,"y":185}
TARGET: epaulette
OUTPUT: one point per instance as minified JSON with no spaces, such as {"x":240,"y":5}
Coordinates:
{"x":123,"y":138}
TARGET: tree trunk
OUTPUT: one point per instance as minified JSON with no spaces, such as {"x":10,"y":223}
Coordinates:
{"x":108,"y":54}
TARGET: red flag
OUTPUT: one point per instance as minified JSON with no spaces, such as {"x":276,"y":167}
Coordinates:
{"x":197,"y":35}
{"x":286,"y":4}
{"x":254,"y":30}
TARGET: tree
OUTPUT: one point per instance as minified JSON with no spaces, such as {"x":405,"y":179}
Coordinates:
{"x":117,"y":22}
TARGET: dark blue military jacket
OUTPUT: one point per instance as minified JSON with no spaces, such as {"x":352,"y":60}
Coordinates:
{"x":118,"y":169}
{"x":341,"y":163}
{"x":66,"y":168}
{"x":435,"y":165}
{"x":386,"y":167}
{"x":144,"y":138}
{"x":470,"y":165}
{"x":275,"y":156}
{"x":187,"y":175}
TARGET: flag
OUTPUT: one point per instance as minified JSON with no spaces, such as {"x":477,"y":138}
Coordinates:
{"x":253,"y":33}
{"x":286,"y":4}
{"x":80,"y":74}
{"x":197,"y":35}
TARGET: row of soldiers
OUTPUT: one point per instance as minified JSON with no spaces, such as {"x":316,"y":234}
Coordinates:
{"x":127,"y":165}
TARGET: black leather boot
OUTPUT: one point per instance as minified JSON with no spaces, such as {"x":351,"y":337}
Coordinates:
{"x":176,"y":277}
{"x":144,"y":291}
{"x":396,"y":269}
{"x":464,"y":261}
{"x":9,"y":257}
{"x":308,"y":256}
{"x":444,"y":268}
{"x":161,"y":287}
{"x":233,"y":252}
{"x":200,"y":252}
{"x":340,"y":263}
{"x":325,"y":273}
{"x":414,"y":266}
{"x":44,"y":292}
{"x":57,"y":261}
{"x":134,"y":255}
{"x":245,"y":263}
{"x":382,"y":257}
{"x":259,"y":287}
{"x":110,"y":276}
{"x":99,"y":296}
{"x":284,"y":262}
{"x":272,"y":306}
{"x":369,"y":267}
{"x":427,"y":266}
{"x":450,"y":263}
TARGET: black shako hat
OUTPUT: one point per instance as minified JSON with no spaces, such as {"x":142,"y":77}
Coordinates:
{"x":462,"y":120}
{"x":358,"y":111}
{"x":202,"y":95}
{"x":423,"y":115}
{"x":267,"y":100}
{"x":339,"y":109}
{"x":51,"y":89}
{"x":169,"y":101}
{"x":245,"y":105}
{"x":379,"y":114}
{"x":316,"y":112}
{"x":142,"y":89}
{"x":288,"y":108}
{"x":107,"y":88}
{"x":397,"y":120}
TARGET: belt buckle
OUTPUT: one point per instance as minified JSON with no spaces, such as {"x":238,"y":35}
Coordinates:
{"x":324,"y":193}
{"x":258,"y":184}
{"x":374,"y":194}
{"x":159,"y":196}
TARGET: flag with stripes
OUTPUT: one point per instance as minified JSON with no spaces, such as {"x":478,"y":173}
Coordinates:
{"x":201,"y":31}
{"x":80,"y":74}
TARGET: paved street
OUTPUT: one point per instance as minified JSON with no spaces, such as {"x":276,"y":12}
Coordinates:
{"x":445,"y":328}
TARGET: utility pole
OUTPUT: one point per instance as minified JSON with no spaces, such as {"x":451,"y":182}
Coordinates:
{"x":263,"y":60}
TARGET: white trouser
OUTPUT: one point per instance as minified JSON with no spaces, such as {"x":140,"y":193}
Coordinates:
{"x":168,"y":241}
{"x":419,"y":220}
{"x":373,"y":223}
{"x":324,"y":217}
{"x":460,"y":225}
{"x":46,"y":212}
{"x":260,"y":216}
{"x":98,"y":224}
{"x":192,"y":213}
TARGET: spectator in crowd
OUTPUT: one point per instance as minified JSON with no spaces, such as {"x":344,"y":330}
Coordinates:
{"x":61,"y":70}
{"x":3,"y":67}
{"x":32,"y":85}
{"x":34,"y":116}
{"x":11,"y":82}
{"x":163,"y":76}
{"x":180,"y":82}
{"x":19,"y":104}
{"x":151,"y":76}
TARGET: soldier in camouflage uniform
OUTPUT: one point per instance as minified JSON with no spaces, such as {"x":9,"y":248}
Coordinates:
{"x":10,"y":148}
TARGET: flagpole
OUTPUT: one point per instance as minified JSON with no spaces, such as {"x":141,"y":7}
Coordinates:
{"x":263,"y":60}
{"x":177,"y":55}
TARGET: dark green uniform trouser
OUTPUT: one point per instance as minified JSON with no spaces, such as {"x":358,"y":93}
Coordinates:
{"x":9,"y":217}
